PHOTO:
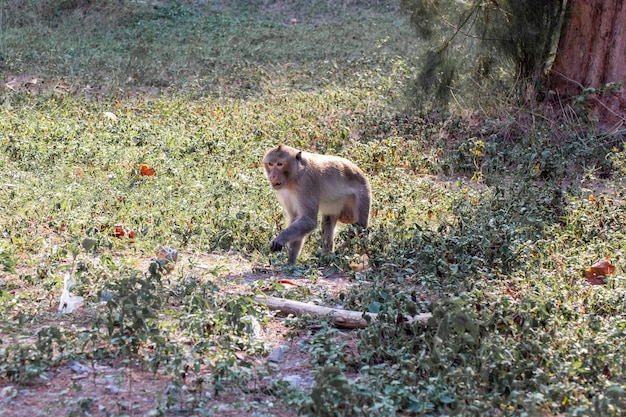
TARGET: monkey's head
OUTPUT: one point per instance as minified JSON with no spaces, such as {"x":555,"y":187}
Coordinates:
{"x":281,"y":164}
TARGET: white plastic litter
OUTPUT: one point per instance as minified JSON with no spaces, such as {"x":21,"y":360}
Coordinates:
{"x":69,"y":302}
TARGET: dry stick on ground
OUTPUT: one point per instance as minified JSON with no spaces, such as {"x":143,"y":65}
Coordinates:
{"x":341,"y":318}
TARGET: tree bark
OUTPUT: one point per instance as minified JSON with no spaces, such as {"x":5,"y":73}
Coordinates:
{"x":341,"y":318}
{"x":592,"y":53}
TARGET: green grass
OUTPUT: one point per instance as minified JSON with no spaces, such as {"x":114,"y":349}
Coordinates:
{"x":242,"y":49}
{"x":487,"y":223}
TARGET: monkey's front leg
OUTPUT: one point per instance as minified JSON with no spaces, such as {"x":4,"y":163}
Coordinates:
{"x":294,"y":249}
{"x":294,"y":235}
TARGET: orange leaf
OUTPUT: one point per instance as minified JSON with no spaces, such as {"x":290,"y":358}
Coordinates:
{"x":591,"y":280}
{"x":595,"y":273}
{"x":147,"y":171}
{"x":118,"y":231}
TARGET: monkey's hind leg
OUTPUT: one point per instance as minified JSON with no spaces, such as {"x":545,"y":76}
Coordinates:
{"x":363,"y":207}
{"x":328,"y":232}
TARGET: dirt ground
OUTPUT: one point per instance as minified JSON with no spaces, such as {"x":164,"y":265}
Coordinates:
{"x":114,"y":388}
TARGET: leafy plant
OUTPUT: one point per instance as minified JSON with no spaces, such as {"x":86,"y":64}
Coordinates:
{"x":24,"y":363}
{"x":131,"y":312}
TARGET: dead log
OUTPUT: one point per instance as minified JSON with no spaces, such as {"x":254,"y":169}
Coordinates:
{"x":341,"y":318}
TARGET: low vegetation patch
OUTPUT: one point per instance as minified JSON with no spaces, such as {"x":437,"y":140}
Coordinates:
{"x":130,"y":177}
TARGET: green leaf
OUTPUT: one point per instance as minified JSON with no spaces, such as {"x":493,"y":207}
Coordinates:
{"x":374,"y":307}
{"x":446,"y":399}
{"x":7,"y":262}
{"x":88,"y":244}
{"x":615,"y":391}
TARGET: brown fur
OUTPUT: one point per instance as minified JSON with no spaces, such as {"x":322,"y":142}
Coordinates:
{"x":308,"y":183}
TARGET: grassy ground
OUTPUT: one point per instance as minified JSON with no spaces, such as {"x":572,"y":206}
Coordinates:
{"x":128,"y":125}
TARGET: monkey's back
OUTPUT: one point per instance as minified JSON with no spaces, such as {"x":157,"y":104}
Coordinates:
{"x":334,"y":167}
{"x":336,"y":178}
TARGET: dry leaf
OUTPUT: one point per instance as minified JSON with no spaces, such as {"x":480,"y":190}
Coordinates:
{"x":360,"y":264}
{"x":118,"y":231}
{"x":147,"y":171}
{"x":595,"y":273}
{"x":168,"y":253}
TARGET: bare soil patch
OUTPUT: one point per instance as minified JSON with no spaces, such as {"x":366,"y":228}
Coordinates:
{"x":116,"y":388}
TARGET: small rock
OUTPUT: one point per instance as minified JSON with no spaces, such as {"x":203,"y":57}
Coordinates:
{"x":8,"y":392}
{"x":278,"y":354}
{"x":105,"y":295}
{"x":303,"y":345}
{"x":47,"y":376}
{"x":25,"y":392}
{"x":78,"y":368}
{"x":107,"y":379}
{"x":295,"y":380}
{"x":102,"y":368}
{"x":298,"y":381}
{"x":113,"y":389}
{"x":190,"y":280}
{"x":252,"y":325}
{"x":168,"y":253}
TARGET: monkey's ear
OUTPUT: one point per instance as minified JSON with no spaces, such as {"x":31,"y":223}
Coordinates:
{"x":299,"y":156}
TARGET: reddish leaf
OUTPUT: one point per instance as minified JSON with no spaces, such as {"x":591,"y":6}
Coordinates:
{"x":595,"y":280}
{"x":118,"y":231}
{"x":147,"y":171}
{"x":595,"y":274}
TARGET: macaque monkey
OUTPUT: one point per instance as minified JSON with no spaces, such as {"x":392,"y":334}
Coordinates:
{"x":308,"y":183}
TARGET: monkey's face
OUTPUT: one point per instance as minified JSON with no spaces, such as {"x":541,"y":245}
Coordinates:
{"x":276,"y":174}
{"x":280,"y":162}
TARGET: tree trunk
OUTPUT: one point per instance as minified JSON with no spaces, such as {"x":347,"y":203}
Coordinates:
{"x":592,"y":53}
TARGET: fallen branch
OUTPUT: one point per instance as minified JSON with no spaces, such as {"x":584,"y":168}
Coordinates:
{"x":341,"y":318}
